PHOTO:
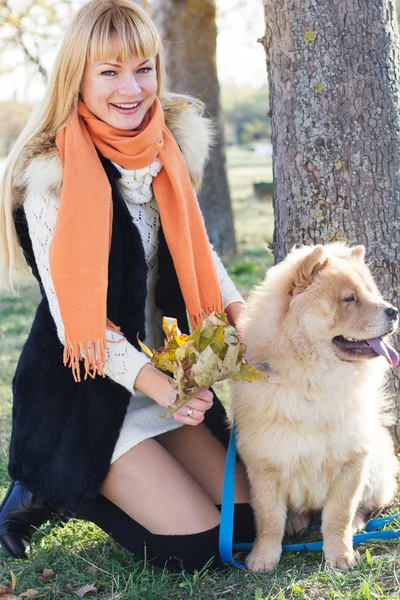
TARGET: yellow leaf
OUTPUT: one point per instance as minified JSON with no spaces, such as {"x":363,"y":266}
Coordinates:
{"x":161,"y":361}
{"x":249,"y":373}
{"x":318,"y":88}
{"x":298,"y":589}
{"x":181,"y":339}
{"x":338,"y":164}
{"x":145,"y":348}
{"x":170,"y":327}
{"x":368,"y":556}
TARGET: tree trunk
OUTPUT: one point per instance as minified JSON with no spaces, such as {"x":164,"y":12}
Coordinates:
{"x":334,"y":101}
{"x":189,"y":31}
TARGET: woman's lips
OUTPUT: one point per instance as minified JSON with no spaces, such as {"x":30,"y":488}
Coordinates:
{"x":127,"y":111}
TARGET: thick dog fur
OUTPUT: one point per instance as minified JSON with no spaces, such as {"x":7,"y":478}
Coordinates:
{"x":313,"y":434}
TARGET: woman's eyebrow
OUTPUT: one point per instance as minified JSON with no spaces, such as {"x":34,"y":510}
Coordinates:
{"x":113,"y":64}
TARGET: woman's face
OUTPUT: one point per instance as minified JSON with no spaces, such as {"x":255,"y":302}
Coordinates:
{"x":120,"y":93}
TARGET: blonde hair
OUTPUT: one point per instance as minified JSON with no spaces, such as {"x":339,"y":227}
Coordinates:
{"x":98,"y":30}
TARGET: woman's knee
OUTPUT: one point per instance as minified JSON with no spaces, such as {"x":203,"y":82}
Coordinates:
{"x":176,"y":552}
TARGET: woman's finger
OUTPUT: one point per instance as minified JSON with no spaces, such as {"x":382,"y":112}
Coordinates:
{"x":190,"y":417}
{"x":205,"y":394}
{"x":197,"y":404}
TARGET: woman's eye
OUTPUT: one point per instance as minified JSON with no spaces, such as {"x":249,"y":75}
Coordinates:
{"x":108,"y":73}
{"x":350,"y":299}
{"x":145,"y":70}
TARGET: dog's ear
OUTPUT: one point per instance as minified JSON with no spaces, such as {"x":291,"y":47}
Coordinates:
{"x":312,"y":264}
{"x":358,"y":252}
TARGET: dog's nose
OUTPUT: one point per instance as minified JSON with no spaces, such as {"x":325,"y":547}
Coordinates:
{"x":392,"y":312}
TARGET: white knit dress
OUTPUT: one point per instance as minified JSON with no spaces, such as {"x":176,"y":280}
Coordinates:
{"x":124,"y":361}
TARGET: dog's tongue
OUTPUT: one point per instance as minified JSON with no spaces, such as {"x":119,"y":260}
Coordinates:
{"x":380,"y":347}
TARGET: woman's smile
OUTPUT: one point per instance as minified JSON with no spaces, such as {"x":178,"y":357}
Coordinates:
{"x":127,"y":108}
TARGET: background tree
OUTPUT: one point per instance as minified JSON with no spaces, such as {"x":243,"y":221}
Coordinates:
{"x":188,"y":28}
{"x":31,"y":27}
{"x":334,"y":103}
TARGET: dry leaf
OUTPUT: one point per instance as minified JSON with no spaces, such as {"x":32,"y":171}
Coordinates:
{"x":90,"y":569}
{"x":47,"y":574}
{"x":9,"y":597}
{"x":86,"y":589}
{"x":69,"y":586}
{"x":30,"y":594}
{"x":8,"y":589}
{"x":212,"y":353}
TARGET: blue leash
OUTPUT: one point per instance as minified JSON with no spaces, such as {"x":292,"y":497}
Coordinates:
{"x":227,"y":545}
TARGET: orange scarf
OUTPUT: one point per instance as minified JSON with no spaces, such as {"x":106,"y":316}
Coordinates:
{"x":80,"y":247}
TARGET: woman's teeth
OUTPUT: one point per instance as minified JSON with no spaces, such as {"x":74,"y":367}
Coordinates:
{"x":126,"y":105}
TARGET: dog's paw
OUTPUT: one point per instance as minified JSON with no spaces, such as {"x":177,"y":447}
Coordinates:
{"x":359,"y":522}
{"x":261,"y":563}
{"x":345,"y":561}
{"x":297,"y":522}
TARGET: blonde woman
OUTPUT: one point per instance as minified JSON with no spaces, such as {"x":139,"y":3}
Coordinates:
{"x":98,"y":197}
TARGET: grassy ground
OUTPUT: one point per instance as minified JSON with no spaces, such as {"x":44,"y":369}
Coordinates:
{"x":81,"y":555}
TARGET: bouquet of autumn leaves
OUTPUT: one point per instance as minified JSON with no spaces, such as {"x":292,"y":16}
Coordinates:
{"x":213,"y":352}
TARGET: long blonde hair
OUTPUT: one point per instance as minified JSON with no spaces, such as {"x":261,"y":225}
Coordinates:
{"x":99,"y":28}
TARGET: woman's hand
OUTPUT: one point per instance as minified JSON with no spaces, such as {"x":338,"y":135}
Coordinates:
{"x":159,"y":387}
{"x":233,"y":312}
{"x":156,"y":385}
{"x":193,"y":412}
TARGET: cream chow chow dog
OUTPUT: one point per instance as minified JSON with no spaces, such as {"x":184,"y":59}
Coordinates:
{"x":312,"y":435}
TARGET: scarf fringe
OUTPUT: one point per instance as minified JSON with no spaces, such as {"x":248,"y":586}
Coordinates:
{"x":93,"y":353}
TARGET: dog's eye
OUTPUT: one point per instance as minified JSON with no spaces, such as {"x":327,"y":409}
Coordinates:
{"x":350,"y":299}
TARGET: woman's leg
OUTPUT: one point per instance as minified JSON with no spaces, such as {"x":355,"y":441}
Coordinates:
{"x":156,"y":510}
{"x":203,"y":457}
{"x":150,"y":486}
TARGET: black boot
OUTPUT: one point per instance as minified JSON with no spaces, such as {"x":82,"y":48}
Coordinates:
{"x":20,"y":512}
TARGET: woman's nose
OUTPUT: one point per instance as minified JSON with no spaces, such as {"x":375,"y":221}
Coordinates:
{"x":130,"y":86}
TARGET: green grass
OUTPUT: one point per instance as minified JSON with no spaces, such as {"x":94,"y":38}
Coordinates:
{"x":79,"y":553}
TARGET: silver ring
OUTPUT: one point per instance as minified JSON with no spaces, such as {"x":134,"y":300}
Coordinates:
{"x":189,"y":412}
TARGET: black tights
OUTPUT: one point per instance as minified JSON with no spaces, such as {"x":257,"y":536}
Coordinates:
{"x":176,"y":552}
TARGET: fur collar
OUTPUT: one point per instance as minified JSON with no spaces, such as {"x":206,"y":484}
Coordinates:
{"x":39,"y":167}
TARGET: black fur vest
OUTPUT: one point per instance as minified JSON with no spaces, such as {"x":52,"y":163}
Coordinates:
{"x":64,"y":433}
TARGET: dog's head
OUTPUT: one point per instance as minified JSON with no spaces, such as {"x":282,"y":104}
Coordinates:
{"x":324,"y":300}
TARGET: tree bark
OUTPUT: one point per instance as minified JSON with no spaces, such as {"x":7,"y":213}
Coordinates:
{"x":189,"y":31}
{"x":334,"y":102}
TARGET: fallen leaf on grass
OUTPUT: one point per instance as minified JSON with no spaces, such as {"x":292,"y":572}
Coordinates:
{"x":6,"y":591}
{"x":47,"y":574}
{"x":30,"y":594}
{"x":86,"y":589}
{"x":91,"y":569}
{"x":13,"y":581}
